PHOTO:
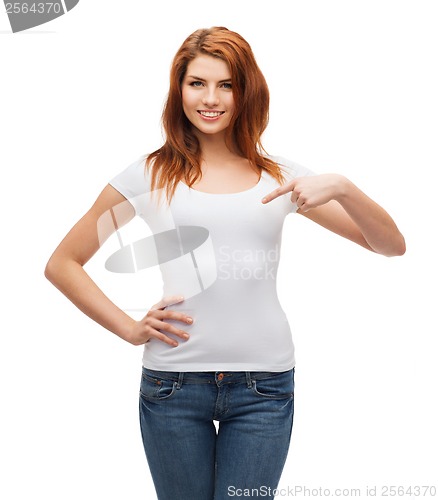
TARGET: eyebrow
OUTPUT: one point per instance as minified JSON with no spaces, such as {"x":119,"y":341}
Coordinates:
{"x":203,"y":80}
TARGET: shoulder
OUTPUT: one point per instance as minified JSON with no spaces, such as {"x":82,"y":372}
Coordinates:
{"x":136,"y":167}
{"x":133,"y":178}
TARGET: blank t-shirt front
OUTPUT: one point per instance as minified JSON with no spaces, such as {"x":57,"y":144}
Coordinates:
{"x":221,"y":252}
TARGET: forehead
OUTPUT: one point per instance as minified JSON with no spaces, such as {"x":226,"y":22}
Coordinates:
{"x":208,"y":68}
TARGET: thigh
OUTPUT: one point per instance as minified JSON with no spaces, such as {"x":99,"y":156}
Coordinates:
{"x":178,"y":436}
{"x":253,"y":441}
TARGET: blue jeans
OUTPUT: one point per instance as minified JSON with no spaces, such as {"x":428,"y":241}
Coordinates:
{"x":188,"y":460}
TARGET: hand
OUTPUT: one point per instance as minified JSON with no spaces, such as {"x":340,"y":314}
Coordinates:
{"x":147,"y":328}
{"x":310,"y":192}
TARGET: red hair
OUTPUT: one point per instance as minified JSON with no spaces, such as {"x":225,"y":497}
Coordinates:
{"x":180,"y":156}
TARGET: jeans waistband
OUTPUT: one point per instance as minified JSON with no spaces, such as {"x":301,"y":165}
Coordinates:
{"x":213,"y":377}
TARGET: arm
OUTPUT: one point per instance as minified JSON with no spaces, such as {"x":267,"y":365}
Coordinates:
{"x":335,"y":203}
{"x":65,"y":270}
{"x":65,"y":267}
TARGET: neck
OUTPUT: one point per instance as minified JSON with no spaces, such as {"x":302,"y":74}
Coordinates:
{"x":213,"y":148}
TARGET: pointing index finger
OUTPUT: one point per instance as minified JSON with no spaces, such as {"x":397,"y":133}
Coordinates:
{"x":274,"y":194}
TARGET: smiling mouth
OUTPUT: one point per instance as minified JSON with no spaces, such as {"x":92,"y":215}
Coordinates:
{"x":211,"y":114}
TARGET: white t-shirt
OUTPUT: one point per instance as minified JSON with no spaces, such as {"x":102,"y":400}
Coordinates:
{"x":221,"y":252}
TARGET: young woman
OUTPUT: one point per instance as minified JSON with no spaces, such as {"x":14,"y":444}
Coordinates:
{"x":218,"y":345}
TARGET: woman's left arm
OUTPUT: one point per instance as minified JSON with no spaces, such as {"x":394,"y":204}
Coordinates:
{"x":334,"y":202}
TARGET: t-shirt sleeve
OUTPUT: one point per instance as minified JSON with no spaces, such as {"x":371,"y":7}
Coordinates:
{"x":132,"y":182}
{"x":291,"y":170}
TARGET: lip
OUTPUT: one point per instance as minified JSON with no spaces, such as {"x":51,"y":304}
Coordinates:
{"x":209,"y":118}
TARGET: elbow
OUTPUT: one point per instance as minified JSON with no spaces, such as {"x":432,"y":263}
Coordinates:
{"x":401,"y":250}
{"x":398,"y":249}
{"x":57,"y":267}
{"x":48,"y":271}
{"x":53,"y":269}
{"x":395,"y":247}
{"x":401,"y":246}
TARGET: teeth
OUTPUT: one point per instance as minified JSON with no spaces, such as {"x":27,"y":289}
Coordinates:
{"x":211,"y":114}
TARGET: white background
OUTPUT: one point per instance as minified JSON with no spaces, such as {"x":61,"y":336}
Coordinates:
{"x":353,"y":90}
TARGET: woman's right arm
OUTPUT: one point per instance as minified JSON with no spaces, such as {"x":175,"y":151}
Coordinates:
{"x":65,"y":271}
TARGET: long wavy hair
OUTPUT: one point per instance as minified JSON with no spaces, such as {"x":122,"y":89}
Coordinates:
{"x":180,"y":156}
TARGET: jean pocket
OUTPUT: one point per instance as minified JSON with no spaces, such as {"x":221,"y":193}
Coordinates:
{"x":279,"y":386}
{"x":155,"y":388}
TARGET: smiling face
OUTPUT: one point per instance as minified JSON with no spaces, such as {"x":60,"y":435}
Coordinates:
{"x":207,"y":96}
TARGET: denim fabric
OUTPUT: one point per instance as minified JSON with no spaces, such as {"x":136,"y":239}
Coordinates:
{"x":188,"y":459}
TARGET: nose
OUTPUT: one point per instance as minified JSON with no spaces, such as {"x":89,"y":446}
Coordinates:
{"x":210,"y":97}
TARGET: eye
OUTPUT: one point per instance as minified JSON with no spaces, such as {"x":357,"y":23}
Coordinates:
{"x":195,"y":84}
{"x":227,"y":85}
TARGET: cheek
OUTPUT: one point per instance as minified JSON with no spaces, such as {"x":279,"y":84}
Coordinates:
{"x":230,"y":102}
{"x":231,"y":109}
{"x":188,"y":99}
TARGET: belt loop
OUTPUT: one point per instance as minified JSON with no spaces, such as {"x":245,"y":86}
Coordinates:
{"x":248,"y":380}
{"x":180,"y":380}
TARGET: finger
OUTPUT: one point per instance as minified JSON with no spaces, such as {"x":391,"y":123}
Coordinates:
{"x":302,"y":207}
{"x":162,"y":325}
{"x":160,"y":330}
{"x":294,"y":197}
{"x":173,"y":329}
{"x":300,"y":204}
{"x":168,"y":301}
{"x":169,"y":314}
{"x":275,"y":194}
{"x":164,"y":338}
{"x":167,"y":340}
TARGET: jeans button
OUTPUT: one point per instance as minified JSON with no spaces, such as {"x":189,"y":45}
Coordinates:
{"x":220,"y":376}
